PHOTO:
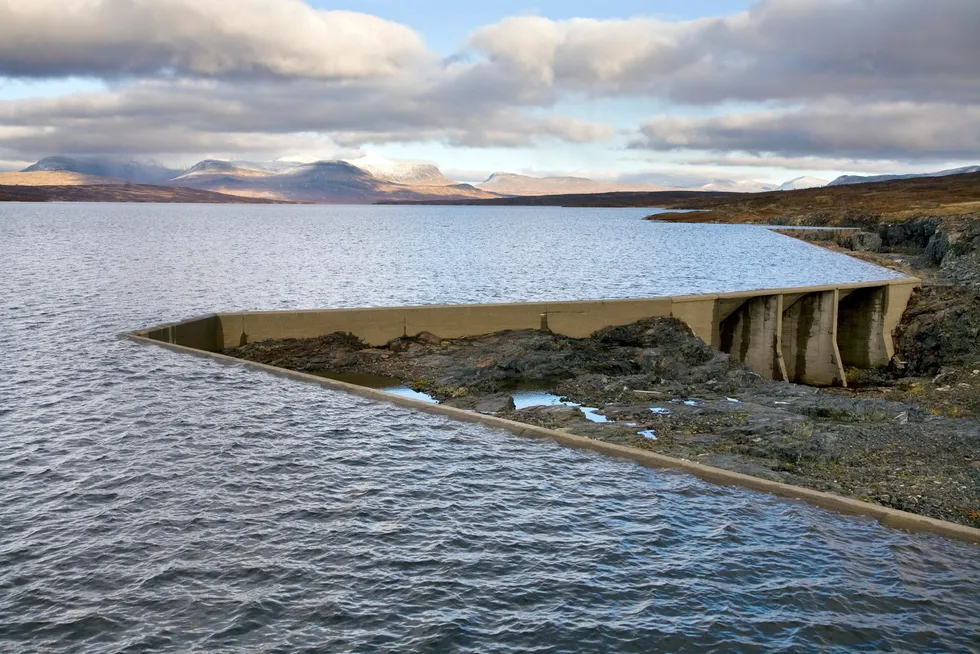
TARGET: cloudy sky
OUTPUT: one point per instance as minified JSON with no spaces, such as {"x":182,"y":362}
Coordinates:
{"x":668,"y":91}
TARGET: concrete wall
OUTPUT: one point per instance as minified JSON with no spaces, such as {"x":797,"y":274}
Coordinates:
{"x":806,"y":334}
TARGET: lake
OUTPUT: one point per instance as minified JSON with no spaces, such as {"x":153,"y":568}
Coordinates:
{"x":155,"y":502}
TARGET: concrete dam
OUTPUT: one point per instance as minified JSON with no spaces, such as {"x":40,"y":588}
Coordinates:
{"x":808,"y":335}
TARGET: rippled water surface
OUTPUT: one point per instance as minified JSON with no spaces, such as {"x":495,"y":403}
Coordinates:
{"x":151,"y":501}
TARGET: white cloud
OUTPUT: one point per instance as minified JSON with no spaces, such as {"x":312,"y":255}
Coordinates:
{"x":171,"y":117}
{"x":287,"y":38}
{"x":778,"y":49}
{"x":886,"y":80}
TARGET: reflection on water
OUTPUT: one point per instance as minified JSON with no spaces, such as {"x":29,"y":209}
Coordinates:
{"x":525,"y":399}
{"x":529,"y":398}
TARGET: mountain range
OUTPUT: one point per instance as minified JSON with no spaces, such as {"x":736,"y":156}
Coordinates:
{"x":858,"y":179}
{"x":337,"y":182}
{"x":365,"y":180}
{"x":513,"y":184}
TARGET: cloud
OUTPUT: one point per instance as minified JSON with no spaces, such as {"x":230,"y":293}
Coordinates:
{"x":777,"y":50}
{"x":173,"y":117}
{"x":840,"y":80}
{"x":212,"y":38}
{"x":902,"y":130}
{"x":869,"y":166}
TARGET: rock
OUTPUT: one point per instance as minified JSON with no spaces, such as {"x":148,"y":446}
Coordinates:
{"x":940,"y":328}
{"x":494,"y":404}
{"x":428,"y":338}
{"x":913,"y":234}
{"x":864,"y":242}
{"x":937,"y":248}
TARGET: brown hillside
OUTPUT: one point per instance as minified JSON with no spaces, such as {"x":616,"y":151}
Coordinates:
{"x":119,"y":193}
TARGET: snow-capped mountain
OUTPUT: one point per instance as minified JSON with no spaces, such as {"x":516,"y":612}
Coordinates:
{"x":513,"y":184}
{"x":410,"y":173}
{"x":736,"y":186}
{"x":801,"y":183}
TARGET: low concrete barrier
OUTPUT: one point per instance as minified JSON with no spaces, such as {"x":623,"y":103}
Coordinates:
{"x":808,"y":335}
{"x":887,"y":516}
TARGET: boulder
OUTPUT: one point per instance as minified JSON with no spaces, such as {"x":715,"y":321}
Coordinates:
{"x":864,"y":242}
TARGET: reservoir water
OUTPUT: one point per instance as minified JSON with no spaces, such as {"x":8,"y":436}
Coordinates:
{"x":156,"y":502}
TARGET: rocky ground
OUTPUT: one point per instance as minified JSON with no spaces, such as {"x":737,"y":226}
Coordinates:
{"x":937,"y":351}
{"x":895,"y":443}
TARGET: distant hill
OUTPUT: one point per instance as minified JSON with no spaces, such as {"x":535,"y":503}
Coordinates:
{"x":802,"y":183}
{"x":858,"y":179}
{"x":118,"y":193}
{"x":366,"y":180}
{"x":409,"y":173}
{"x":732,"y":186}
{"x":860,"y":205}
{"x":849,"y":205}
{"x":335,"y":182}
{"x":512,"y":184}
{"x":128,"y":170}
{"x":54,"y":178}
{"x":216,"y":167}
{"x":374,"y":179}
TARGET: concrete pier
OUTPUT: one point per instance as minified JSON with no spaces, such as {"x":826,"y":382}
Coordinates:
{"x":808,"y":335}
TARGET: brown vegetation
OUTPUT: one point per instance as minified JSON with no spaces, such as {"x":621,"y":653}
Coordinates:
{"x":119,"y":193}
{"x":858,"y":205}
{"x":54,"y":178}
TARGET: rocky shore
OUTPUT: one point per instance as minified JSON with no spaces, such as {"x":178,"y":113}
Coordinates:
{"x":908,"y":437}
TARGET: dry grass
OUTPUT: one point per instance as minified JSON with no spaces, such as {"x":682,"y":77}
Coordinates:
{"x":117,"y":193}
{"x":54,"y":178}
{"x":861,"y":205}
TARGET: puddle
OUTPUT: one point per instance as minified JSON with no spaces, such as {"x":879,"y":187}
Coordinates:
{"x":527,"y":399}
{"x":379,"y":382}
{"x":648,"y":433}
{"x":732,"y":399}
{"x":594,"y":415}
{"x":661,"y":412}
{"x":405,"y":391}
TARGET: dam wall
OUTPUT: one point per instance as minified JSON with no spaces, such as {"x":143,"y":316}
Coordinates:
{"x":808,"y":335}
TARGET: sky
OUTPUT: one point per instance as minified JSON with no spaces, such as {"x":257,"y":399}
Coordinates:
{"x":671,"y":92}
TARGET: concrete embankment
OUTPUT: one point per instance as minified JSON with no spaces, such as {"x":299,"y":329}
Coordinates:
{"x":648,"y":389}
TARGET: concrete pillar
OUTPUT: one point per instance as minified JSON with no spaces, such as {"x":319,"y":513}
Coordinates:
{"x":861,"y":334}
{"x":809,"y":340}
{"x":897,"y":301}
{"x":753,"y":334}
